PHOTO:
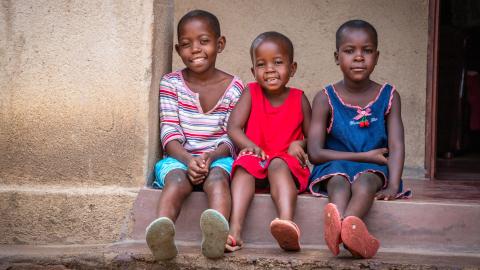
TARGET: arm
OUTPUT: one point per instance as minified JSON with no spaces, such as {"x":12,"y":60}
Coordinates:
{"x":298,"y":148}
{"x":171,"y":133}
{"x":236,"y":124}
{"x":396,"y":147}
{"x":225,"y":146}
{"x":307,"y":116}
{"x":318,"y":132}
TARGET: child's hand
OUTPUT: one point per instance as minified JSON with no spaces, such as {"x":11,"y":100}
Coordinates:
{"x":253,"y":150}
{"x":295,"y":149}
{"x":389,"y":193}
{"x":377,"y":156}
{"x":197,"y":170}
{"x":207,"y":159}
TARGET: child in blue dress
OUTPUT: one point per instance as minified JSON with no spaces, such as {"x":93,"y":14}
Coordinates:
{"x":356,"y":142}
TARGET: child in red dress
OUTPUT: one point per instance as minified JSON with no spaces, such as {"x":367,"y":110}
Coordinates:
{"x":269,"y":124}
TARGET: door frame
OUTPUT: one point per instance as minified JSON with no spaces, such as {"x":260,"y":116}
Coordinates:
{"x":432,"y":89}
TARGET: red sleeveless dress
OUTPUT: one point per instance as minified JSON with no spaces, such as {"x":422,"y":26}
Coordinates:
{"x":273,"y":129}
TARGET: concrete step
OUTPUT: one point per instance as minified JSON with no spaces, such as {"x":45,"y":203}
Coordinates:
{"x":135,"y":255}
{"x":423,"y":224}
{"x":64,"y":215}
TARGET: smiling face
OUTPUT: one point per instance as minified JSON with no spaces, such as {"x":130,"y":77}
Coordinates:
{"x":357,"y":54}
{"x":198,"y":45}
{"x":272,"y":67}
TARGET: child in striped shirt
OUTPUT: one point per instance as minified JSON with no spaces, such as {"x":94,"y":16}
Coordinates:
{"x":195,"y":104}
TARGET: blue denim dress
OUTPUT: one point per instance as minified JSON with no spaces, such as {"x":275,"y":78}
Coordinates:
{"x":354,"y":129}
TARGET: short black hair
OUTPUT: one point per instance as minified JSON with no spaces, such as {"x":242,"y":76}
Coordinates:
{"x":211,"y":19}
{"x":272,"y":36}
{"x":355,"y":24}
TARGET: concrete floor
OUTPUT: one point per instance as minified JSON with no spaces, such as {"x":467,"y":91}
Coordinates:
{"x":135,"y":255}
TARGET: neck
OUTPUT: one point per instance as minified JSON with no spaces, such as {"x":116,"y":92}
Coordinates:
{"x":199,"y":77}
{"x":357,"y":87}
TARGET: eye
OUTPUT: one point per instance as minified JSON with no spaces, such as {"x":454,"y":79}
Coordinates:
{"x":184,"y":44}
{"x":348,"y":51}
{"x":368,"y":51}
{"x":204,"y":41}
{"x":260,"y":64}
{"x":278,"y":62}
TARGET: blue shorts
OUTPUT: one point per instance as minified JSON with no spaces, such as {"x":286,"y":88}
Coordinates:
{"x":167,"y":164}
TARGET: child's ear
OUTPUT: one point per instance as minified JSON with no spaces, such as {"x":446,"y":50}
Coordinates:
{"x":293,"y":68}
{"x":335,"y":57}
{"x":221,"y":42}
{"x":376,"y":58}
{"x":177,"y":48}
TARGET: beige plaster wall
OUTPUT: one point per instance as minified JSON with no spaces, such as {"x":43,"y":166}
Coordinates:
{"x":75,"y":82}
{"x":78,"y":115}
{"x":402,"y":26}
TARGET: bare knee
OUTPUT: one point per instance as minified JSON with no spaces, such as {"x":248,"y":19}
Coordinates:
{"x":177,"y":181}
{"x":279,"y":175}
{"x":242,"y":175}
{"x":277,"y":165}
{"x":338,"y":182}
{"x":217,"y":180}
{"x":367,"y":184}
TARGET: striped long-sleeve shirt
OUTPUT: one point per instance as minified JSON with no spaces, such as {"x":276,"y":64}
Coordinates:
{"x":182,"y":118}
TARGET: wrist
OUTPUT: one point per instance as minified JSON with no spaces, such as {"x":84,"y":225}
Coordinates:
{"x":211,"y":155}
{"x":363,"y":157}
{"x":188,"y":158}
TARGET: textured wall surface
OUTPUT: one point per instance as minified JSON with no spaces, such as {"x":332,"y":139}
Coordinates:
{"x":78,"y":115}
{"x":75,"y":80}
{"x":403,"y":31}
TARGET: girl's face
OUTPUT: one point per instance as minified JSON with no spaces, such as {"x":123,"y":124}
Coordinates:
{"x":357,"y":55}
{"x":198,"y":45}
{"x":271,"y":66}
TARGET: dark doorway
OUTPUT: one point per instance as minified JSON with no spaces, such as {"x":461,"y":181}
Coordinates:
{"x":458,"y":96}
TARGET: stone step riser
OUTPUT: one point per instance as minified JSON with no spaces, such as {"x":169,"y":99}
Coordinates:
{"x":405,"y":224}
{"x":64,"y":216}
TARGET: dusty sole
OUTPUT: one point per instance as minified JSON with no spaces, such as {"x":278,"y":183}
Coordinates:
{"x":215,"y":229}
{"x":357,"y":239}
{"x":160,"y":238}
{"x":332,"y":228}
{"x":286,"y":234}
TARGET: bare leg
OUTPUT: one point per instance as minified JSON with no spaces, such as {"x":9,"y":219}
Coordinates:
{"x":176,"y":190}
{"x":217,"y":188}
{"x":339,"y":192}
{"x":283,"y":189}
{"x":363,"y":194}
{"x":355,"y":235}
{"x":161,"y":232}
{"x":243,"y":190}
{"x":284,"y":195}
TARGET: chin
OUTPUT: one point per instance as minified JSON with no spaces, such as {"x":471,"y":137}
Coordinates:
{"x":272,"y":88}
{"x":358,"y":79}
{"x":198,"y":69}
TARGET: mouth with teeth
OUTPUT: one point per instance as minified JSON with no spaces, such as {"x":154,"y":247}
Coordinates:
{"x":198,"y":60}
{"x":272,"y":80}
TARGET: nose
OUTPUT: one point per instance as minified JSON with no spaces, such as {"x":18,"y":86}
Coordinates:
{"x":359,"y":56}
{"x":270,"y":67}
{"x":196,"y":47}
